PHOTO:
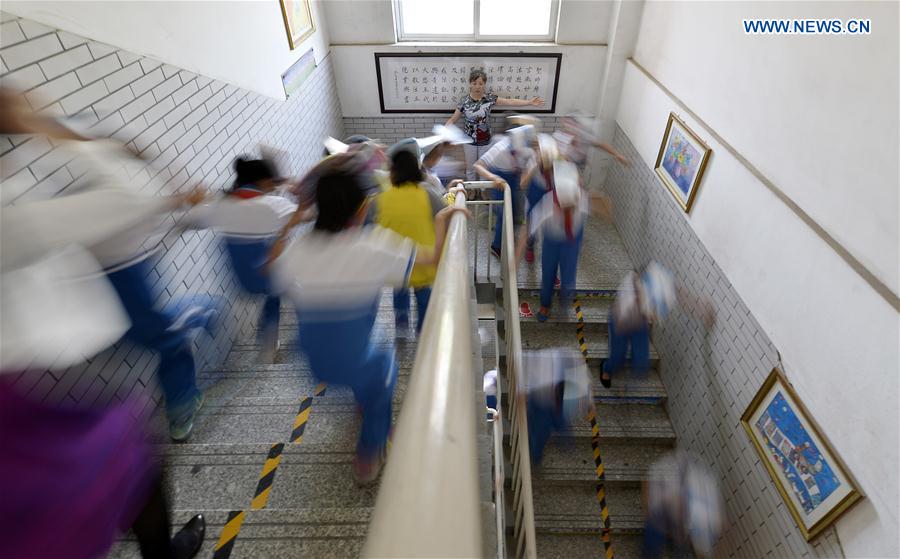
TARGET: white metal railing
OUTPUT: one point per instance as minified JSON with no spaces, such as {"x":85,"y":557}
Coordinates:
{"x":524,"y":542}
{"x":428,"y":504}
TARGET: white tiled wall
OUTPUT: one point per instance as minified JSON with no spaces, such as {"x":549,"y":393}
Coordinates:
{"x":710,"y":379}
{"x":190,"y":128}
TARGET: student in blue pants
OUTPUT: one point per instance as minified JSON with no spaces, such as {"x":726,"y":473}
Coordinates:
{"x":249,"y":217}
{"x":334,"y":276}
{"x":127,"y":261}
{"x":504,"y":163}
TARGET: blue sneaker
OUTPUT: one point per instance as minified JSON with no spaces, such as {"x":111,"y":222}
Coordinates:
{"x":181,"y":428}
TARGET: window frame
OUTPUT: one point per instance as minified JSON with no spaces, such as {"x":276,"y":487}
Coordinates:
{"x":404,"y":37}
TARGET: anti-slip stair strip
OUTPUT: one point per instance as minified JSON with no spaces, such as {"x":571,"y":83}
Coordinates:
{"x":606,"y":530}
{"x":232,"y":527}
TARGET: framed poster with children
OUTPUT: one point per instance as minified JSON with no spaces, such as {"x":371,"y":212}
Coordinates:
{"x":423,"y":82}
{"x":812,"y":480}
{"x":681,"y":161}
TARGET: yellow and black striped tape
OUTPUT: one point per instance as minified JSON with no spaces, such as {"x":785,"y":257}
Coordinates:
{"x":266,"y":479}
{"x":606,"y":530}
{"x":229,"y":534}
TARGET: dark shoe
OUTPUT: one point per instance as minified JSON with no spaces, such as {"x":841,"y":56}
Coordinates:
{"x":495,"y":251}
{"x":188,"y":540}
{"x":529,"y":255}
{"x":606,"y":382}
{"x":543,"y":314}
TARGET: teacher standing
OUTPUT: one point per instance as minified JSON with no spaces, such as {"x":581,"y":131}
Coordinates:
{"x":476,"y":109}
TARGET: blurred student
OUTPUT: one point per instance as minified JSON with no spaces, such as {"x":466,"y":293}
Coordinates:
{"x":334,"y":276}
{"x":250,"y":215}
{"x":643,"y":300}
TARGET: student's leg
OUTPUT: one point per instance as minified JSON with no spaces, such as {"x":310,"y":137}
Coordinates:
{"x":373,"y":389}
{"x":568,"y":269}
{"x":151,"y":528}
{"x":640,"y":351}
{"x":423,"y":295}
{"x":550,"y":260}
{"x":540,"y":426}
{"x":268,"y":325}
{"x":153,"y":329}
{"x":496,"y":194}
{"x":618,"y":347}
{"x":401,"y":308}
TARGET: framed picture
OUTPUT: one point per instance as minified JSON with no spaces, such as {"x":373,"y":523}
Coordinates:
{"x":811,"y":478}
{"x":432,"y":82}
{"x":681,"y":161}
{"x":297,"y":20}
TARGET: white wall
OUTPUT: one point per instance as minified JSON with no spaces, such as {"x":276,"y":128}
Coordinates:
{"x":354,"y":67}
{"x":358,"y":29}
{"x":818,"y":117}
{"x":243,"y":43}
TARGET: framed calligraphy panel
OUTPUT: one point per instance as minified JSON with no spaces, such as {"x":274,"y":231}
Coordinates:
{"x":422,"y":82}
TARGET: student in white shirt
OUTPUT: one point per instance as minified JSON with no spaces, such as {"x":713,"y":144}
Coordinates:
{"x":334,"y":276}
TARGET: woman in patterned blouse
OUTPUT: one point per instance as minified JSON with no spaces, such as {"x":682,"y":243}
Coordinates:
{"x":476,"y":109}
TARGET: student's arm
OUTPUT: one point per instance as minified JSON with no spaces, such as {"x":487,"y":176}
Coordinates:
{"x":431,"y":257}
{"x":525,"y":179}
{"x":507,"y":102}
{"x":453,"y":118}
{"x":486,"y":174}
{"x":610,"y":150}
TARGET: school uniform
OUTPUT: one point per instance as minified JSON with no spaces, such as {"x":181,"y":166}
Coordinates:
{"x":562,"y":231}
{"x":407,"y":210}
{"x":126,"y":260}
{"x":334,"y":281}
{"x":249,"y":222}
{"x":508,"y":163}
{"x":640,"y":301}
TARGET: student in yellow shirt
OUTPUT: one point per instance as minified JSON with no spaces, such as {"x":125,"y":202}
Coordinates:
{"x":406,"y":209}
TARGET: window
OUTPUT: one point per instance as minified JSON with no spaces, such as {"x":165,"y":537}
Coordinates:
{"x":476,"y":20}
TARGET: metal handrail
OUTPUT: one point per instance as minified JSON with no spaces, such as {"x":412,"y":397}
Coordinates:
{"x":428,"y":504}
{"x":520,"y":455}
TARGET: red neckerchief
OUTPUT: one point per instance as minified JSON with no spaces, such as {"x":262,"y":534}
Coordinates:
{"x":247,"y":192}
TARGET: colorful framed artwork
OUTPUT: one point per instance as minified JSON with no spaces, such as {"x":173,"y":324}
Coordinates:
{"x":681,"y":161}
{"x":811,"y":478}
{"x":297,"y":20}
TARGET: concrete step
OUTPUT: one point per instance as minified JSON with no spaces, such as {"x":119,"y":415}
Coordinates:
{"x":573,"y":509}
{"x":586,"y":546}
{"x":306,"y":531}
{"x":629,"y":387}
{"x":594,"y":309}
{"x":552,"y":335}
{"x":571,"y":461}
{"x":629,"y":424}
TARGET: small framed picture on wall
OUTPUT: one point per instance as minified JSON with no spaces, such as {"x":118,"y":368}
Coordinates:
{"x":298,"y":21}
{"x":681,"y":161}
{"x":813,"y":482}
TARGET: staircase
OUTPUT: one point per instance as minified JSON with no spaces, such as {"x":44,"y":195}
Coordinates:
{"x":314,"y":507}
{"x":634,"y":427}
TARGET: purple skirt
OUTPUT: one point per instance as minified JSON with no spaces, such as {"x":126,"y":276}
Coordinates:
{"x":71,"y":480}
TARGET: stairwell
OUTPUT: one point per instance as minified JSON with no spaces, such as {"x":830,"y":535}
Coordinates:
{"x":634,"y":427}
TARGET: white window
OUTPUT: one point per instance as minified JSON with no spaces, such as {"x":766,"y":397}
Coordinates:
{"x":476,"y":20}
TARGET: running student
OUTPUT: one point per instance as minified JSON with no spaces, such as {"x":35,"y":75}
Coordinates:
{"x":249,"y":216}
{"x":334,"y":276}
{"x":504,"y":164}
{"x":407,"y":209}
{"x":475,"y":108}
